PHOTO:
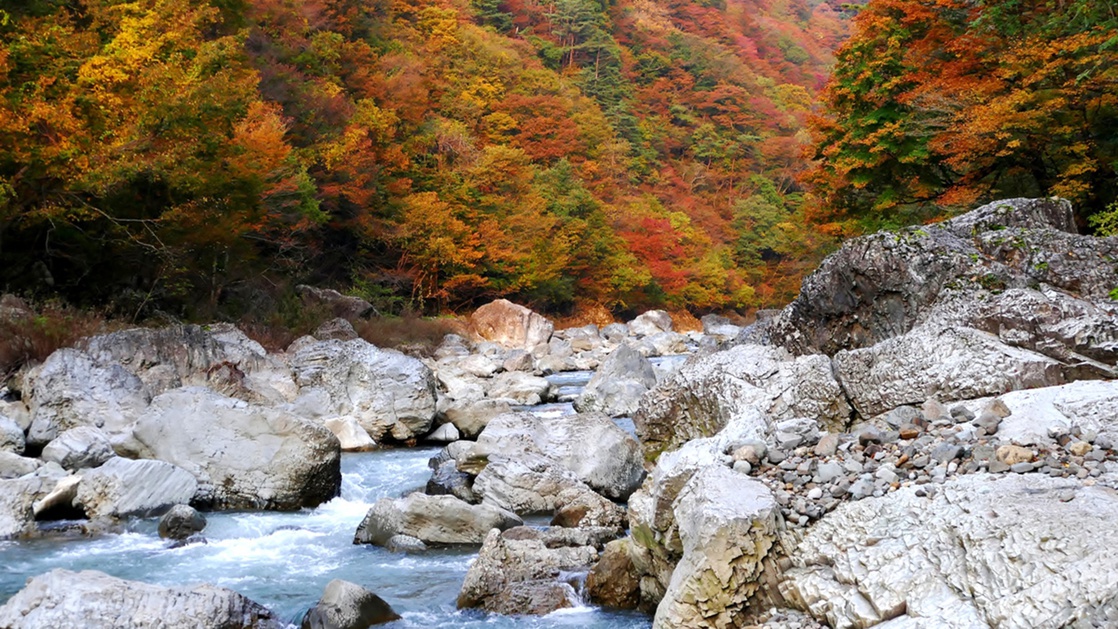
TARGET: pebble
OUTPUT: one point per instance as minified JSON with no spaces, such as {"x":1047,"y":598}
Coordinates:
{"x":827,"y":445}
{"x":868,"y":433}
{"x":827,"y":472}
{"x":961,"y":413}
{"x":909,"y":431}
{"x":776,"y":456}
{"x":946,"y":452}
{"x":1011,"y":454}
{"x":1079,"y":448}
{"x":742,"y":467}
{"x":1067,"y":495}
{"x":1022,"y":467}
{"x":934,"y":411}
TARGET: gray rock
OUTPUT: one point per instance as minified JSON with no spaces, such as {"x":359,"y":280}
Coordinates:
{"x":447,"y":480}
{"x":405,"y":544}
{"x":388,"y":393}
{"x":432,"y":520}
{"x":13,"y":465}
{"x":77,"y":448}
{"x":11,"y":436}
{"x":471,"y":417}
{"x":748,"y":386}
{"x":122,"y":487}
{"x":953,"y":362}
{"x":520,"y":387}
{"x":338,"y":329}
{"x":69,"y":390}
{"x":511,"y":325}
{"x":614,"y":467}
{"x":61,"y":599}
{"x":181,"y":522}
{"x":243,"y":456}
{"x":616,"y":388}
{"x":17,"y":499}
{"x":945,"y":452}
{"x":827,"y":472}
{"x":881,"y":286}
{"x":346,"y":605}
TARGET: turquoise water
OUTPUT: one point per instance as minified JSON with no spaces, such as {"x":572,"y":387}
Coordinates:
{"x":284,"y":560}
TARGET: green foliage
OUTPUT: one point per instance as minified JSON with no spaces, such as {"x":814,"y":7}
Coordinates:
{"x":1106,"y":221}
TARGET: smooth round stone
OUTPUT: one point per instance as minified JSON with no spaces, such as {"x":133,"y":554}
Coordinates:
{"x":815,"y":494}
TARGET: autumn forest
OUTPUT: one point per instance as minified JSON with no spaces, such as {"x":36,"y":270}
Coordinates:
{"x":202,"y":157}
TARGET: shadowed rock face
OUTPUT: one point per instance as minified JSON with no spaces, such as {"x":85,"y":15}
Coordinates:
{"x":61,"y":599}
{"x":881,"y":286}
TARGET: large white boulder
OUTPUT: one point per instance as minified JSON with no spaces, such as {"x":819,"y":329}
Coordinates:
{"x":389,"y":393}
{"x":61,"y":599}
{"x":981,"y":551}
{"x":244,"y":456}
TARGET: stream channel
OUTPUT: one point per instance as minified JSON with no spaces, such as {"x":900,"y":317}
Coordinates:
{"x":285,"y":560}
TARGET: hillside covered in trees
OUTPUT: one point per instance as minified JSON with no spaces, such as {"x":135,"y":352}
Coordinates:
{"x":937,"y":105}
{"x":201,"y":157}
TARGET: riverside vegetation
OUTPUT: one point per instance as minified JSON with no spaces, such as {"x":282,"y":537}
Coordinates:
{"x":881,"y":452}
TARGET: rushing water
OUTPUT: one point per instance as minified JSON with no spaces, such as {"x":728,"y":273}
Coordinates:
{"x":284,"y":560}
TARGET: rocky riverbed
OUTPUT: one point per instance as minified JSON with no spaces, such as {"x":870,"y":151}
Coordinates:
{"x":924,"y":438}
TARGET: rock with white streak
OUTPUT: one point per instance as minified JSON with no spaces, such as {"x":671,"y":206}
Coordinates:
{"x":244,"y":456}
{"x":81,"y":447}
{"x":511,"y":325}
{"x":727,"y":525}
{"x":984,"y":551}
{"x":387,"y":392}
{"x":123,"y":487}
{"x":616,"y":388}
{"x":61,"y":599}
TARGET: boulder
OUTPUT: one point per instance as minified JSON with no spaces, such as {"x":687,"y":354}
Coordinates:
{"x":61,"y":599}
{"x":244,"y":456}
{"x":387,"y":392}
{"x":338,"y":329}
{"x":982,"y":551}
{"x":180,"y":522}
{"x":616,"y":388}
{"x":951,"y":363}
{"x":432,"y":520}
{"x":346,"y":605}
{"x":520,"y":387}
{"x":720,"y":327}
{"x":17,"y":499}
{"x":218,"y":356}
{"x":579,"y":507}
{"x":123,"y":487}
{"x":78,"y":448}
{"x":444,"y":434}
{"x":339,"y":305}
{"x":883,"y":285}
{"x":615,"y":581}
{"x":709,"y":392}
{"x":13,"y":465}
{"x":351,"y":436}
{"x":518,"y":572}
{"x":651,"y":322}
{"x":1032,"y":417}
{"x":525,"y":485}
{"x":728,"y":524}
{"x":447,"y":480}
{"x":510,"y":325}
{"x":70,"y":389}
{"x":472,"y":417}
{"x":613,"y":466}
{"x":11,"y":436}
